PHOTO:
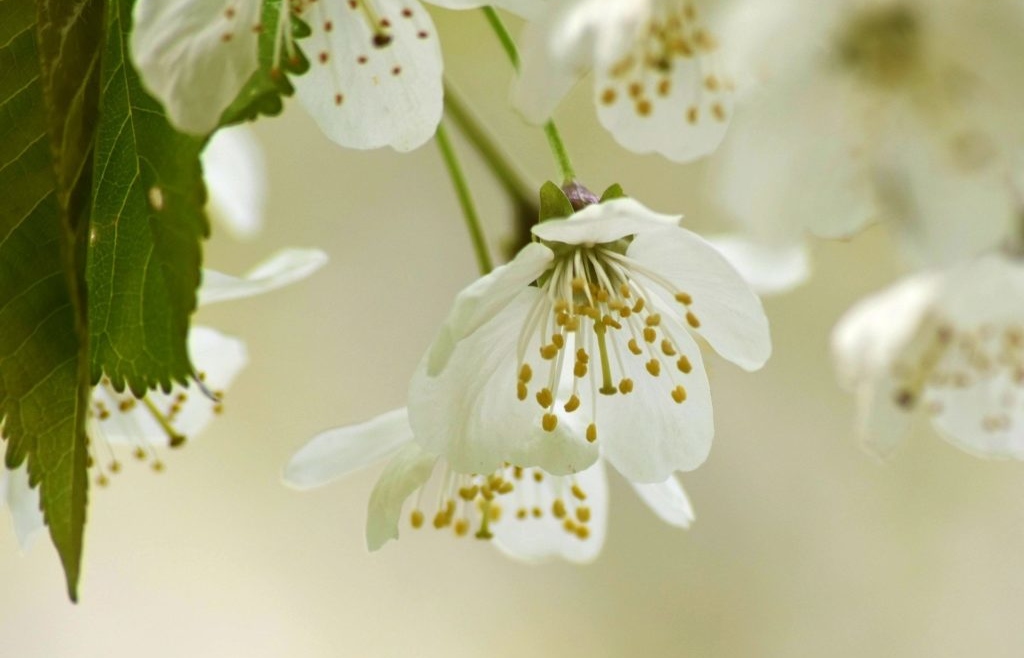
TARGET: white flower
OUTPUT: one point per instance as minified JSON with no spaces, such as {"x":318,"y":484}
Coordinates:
{"x":375,"y":65}
{"x":769,"y":269}
{"x":165,"y":419}
{"x":235,"y":172}
{"x":949,"y":342}
{"x":529,"y":514}
{"x":603,"y":346}
{"x":658,"y":84}
{"x":904,"y":111}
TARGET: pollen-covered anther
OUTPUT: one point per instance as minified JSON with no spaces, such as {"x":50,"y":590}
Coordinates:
{"x":521,"y":390}
{"x":591,"y":432}
{"x":549,"y":352}
{"x":558,"y":508}
{"x":653,"y":367}
{"x":650,"y":334}
{"x":583,"y":514}
{"x":679,"y":394}
{"x":692,"y":320}
{"x":549,"y":422}
{"x":461,"y":527}
{"x":684,"y":365}
{"x":416,"y":519}
{"x":684,"y":298}
{"x":573,"y":404}
{"x":545,"y":398}
{"x":667,"y":348}
{"x":626,"y":386}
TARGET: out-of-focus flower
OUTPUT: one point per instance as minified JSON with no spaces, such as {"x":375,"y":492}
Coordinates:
{"x":769,"y":269}
{"x":601,"y":346}
{"x":529,"y":514}
{"x":658,"y":83}
{"x":165,"y":419}
{"x":235,"y":171}
{"x":906,"y":111}
{"x":948,"y":342}
{"x":375,"y":65}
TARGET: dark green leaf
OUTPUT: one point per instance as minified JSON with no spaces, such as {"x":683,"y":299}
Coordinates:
{"x":144,"y":251}
{"x":553,"y":202}
{"x":47,"y":112}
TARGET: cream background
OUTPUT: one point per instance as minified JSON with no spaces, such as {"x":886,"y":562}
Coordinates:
{"x":804,"y":546}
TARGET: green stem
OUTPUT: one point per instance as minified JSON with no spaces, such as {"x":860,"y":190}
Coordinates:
{"x":550,"y":130}
{"x":476,"y":234}
{"x":507,"y":174}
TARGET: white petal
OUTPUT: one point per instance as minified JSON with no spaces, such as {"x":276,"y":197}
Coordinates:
{"x":342,"y":450}
{"x":539,"y":539}
{"x":882,"y":425}
{"x":521,"y":8}
{"x":645,"y":434}
{"x":768,"y":269}
{"x":984,"y":418}
{"x":283,"y":268}
{"x":485,"y":297}
{"x":730,"y":314}
{"x":367,"y":96}
{"x":195,"y":55}
{"x":407,"y":471}
{"x":218,"y":357}
{"x":23,"y":504}
{"x":235,"y":171}
{"x":604,"y":222}
{"x":668,"y":500}
{"x":470,"y":414}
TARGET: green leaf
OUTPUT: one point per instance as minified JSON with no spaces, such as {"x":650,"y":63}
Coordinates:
{"x":263,"y":94}
{"x":144,"y":252}
{"x":613,"y":192}
{"x":47,"y":96}
{"x":553,"y":202}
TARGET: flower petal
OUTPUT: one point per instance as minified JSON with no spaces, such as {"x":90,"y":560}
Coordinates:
{"x":235,"y":172}
{"x":23,"y":505}
{"x":283,"y":268}
{"x":481,"y":300}
{"x":768,"y":269}
{"x":342,"y":450}
{"x":539,"y":539}
{"x":469,"y":413}
{"x":645,"y":434}
{"x":523,"y":8}
{"x":730,"y":315}
{"x":407,"y":471}
{"x":882,"y":425}
{"x":604,"y":222}
{"x":372,"y":85}
{"x":668,"y":500}
{"x":195,"y":55}
{"x":983,"y":418}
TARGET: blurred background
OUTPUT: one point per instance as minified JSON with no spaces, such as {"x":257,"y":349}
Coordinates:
{"x":804,"y":545}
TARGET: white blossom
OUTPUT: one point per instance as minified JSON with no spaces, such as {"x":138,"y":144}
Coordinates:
{"x":902,"y":111}
{"x":948,"y":343}
{"x":659,"y":85}
{"x":235,"y":172}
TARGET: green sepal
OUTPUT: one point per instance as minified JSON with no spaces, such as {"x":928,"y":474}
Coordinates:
{"x":554,"y":204}
{"x":614,"y":191}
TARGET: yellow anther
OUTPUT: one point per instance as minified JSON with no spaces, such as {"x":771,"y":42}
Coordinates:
{"x":545,"y":398}
{"x":579,"y":370}
{"x":609,"y":321}
{"x":667,"y":348}
{"x":494,"y":513}
{"x":469,"y":493}
{"x":582,"y":356}
{"x":549,"y":352}
{"x":650,"y":334}
{"x":624,"y":290}
{"x":718,"y":110}
{"x":692,"y":320}
{"x":583,"y":532}
{"x":157,"y":466}
{"x":549,"y":422}
{"x":440,"y":520}
{"x":517,"y":472}
{"x":572,"y":324}
{"x":101,"y":480}
{"x":692,"y":114}
{"x":634,"y":347}
{"x":626,"y":386}
{"x":625,"y":312}
{"x":679,"y":394}
{"x":639,"y":305}
{"x":416,"y":518}
{"x":583,"y":514}
{"x":573,"y":404}
{"x":115,"y":466}
{"x":684,"y":298}
{"x":558,"y":508}
{"x":521,"y":390}
{"x":591,"y":432}
{"x":654,"y":367}
{"x":558,"y":340}
{"x":538,"y":476}
{"x":578,"y":492}
{"x":525,"y":373}
{"x":487,"y":492}
{"x":684,"y":365}
{"x":522,"y":513}
{"x":126,"y":404}
{"x":602,"y":295}
{"x":139,"y":454}
{"x":570,"y":526}
{"x":578,"y":284}
{"x":506,"y":488}
{"x":653,"y":320}
{"x":561,"y":306}
{"x":461,"y":528}
{"x":537,"y":512}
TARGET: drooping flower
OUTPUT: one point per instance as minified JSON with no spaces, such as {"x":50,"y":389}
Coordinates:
{"x":162,"y":419}
{"x":948,"y":343}
{"x":591,"y":326}
{"x":659,"y":85}
{"x":901,"y":111}
{"x":375,"y":65}
{"x":529,"y":514}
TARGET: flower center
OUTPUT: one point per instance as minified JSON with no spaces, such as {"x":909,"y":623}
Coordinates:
{"x":477,"y":501}
{"x":594,"y":318}
{"x":881,"y":45}
{"x":671,"y":36}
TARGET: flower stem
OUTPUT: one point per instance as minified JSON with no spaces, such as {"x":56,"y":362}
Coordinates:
{"x":550,"y":130}
{"x":476,"y":234}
